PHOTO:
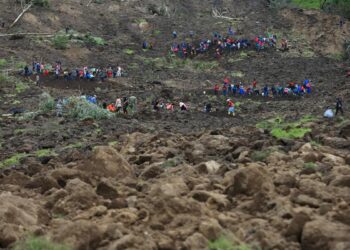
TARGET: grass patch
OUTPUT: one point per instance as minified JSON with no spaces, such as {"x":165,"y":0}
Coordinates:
{"x":3,"y":62}
{"x":308,"y":4}
{"x":260,"y":155}
{"x":237,"y":74}
{"x":45,"y":153}
{"x":94,"y":40}
{"x":13,"y":160}
{"x":39,"y":243}
{"x":21,"y":87}
{"x":286,"y":130}
{"x":60,"y":41}
{"x":223,"y":243}
{"x":75,"y":145}
{"x":310,"y":165}
{"x":289,"y":133}
{"x":82,"y":109}
{"x":113,"y":143}
{"x":47,"y":103}
{"x":129,"y":52}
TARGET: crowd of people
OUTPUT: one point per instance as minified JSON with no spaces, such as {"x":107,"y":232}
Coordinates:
{"x":236,"y":88}
{"x":89,"y":73}
{"x":221,"y":43}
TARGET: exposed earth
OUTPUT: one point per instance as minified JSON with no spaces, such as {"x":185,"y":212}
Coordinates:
{"x":181,"y":180}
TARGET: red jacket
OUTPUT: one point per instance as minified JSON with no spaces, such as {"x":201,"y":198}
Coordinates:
{"x":230,"y":104}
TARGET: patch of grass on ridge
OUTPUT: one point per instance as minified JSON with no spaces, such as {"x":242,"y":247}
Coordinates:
{"x":39,"y":243}
{"x":223,"y":243}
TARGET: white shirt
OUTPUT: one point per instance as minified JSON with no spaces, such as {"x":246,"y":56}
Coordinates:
{"x":328,"y":113}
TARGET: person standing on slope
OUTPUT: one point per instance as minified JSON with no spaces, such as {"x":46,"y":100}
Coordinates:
{"x":231,"y":107}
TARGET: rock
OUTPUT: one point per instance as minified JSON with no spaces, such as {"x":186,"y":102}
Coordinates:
{"x":249,"y":181}
{"x":213,"y":200}
{"x":211,"y":229}
{"x":307,"y":147}
{"x":152,"y":171}
{"x":341,"y":181}
{"x":275,"y":157}
{"x":195,"y":242}
{"x":25,"y":148}
{"x":295,"y":228}
{"x":345,"y":130}
{"x":17,"y":217}
{"x":209,"y":167}
{"x":325,"y":235}
{"x":45,"y":183}
{"x":118,"y":203}
{"x":126,"y":216}
{"x":126,"y":242}
{"x":106,"y":189}
{"x":311,"y":157}
{"x":80,"y":234}
{"x":336,"y":142}
{"x":107,"y":162}
{"x":172,"y":187}
{"x":285,"y":180}
{"x":305,"y":200}
{"x":81,"y":196}
{"x":8,"y":235}
{"x":333,"y":160}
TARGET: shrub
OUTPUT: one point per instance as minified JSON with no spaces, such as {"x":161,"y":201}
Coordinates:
{"x":82,"y":109}
{"x":260,"y":155}
{"x":3,"y":63}
{"x":47,"y":103}
{"x":128,"y":52}
{"x":13,"y":160}
{"x":39,"y":243}
{"x":45,"y":152}
{"x":60,"y":41}
{"x":222,"y":243}
{"x":93,"y":40}
{"x":41,"y":3}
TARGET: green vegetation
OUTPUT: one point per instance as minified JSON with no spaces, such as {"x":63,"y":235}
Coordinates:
{"x":82,"y":109}
{"x":310,"y":165}
{"x":129,"y":52}
{"x":39,"y":243}
{"x":287,"y":130}
{"x":47,"y":103}
{"x":94,"y":40}
{"x":41,"y":3}
{"x":13,"y":160}
{"x":21,"y":87}
{"x":75,"y":145}
{"x":309,"y":4}
{"x":222,"y":243}
{"x":3,"y":62}
{"x":173,"y":62}
{"x":60,"y":41}
{"x":237,"y":74}
{"x":45,"y":153}
{"x":260,"y":155}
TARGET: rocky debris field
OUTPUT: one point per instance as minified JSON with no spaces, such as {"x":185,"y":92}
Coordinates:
{"x":275,"y":177}
{"x":166,"y":190}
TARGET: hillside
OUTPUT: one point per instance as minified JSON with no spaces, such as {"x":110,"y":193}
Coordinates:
{"x":274,"y":176}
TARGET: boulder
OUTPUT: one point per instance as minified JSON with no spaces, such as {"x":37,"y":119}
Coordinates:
{"x":17,"y":217}
{"x":80,"y":234}
{"x":249,"y":181}
{"x":195,"y":242}
{"x":106,"y":189}
{"x":336,"y":142}
{"x":152,"y":171}
{"x":325,"y":235}
{"x":295,"y":228}
{"x":333,"y":160}
{"x":341,"y":181}
{"x":209,"y":167}
{"x":305,"y":200}
{"x":211,"y":229}
{"x":171,"y":187}
{"x":345,"y":130}
{"x":107,"y":162}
